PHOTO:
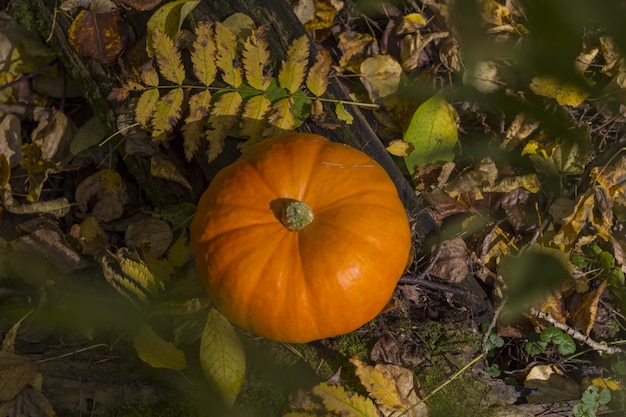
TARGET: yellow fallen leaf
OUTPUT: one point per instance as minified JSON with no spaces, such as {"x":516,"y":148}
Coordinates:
{"x":565,"y":93}
{"x":400,"y":148}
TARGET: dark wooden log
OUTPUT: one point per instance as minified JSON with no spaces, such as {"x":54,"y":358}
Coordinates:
{"x":283,"y":26}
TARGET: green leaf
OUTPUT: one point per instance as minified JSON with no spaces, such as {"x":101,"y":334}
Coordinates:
{"x":433,"y":134}
{"x":168,"y":18}
{"x":222,"y":358}
{"x":156,"y":352}
{"x":535,"y":347}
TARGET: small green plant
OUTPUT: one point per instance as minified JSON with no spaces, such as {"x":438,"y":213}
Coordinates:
{"x":562,"y":340}
{"x":591,"y":400}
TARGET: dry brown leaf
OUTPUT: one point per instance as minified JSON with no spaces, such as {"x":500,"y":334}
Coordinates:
{"x":100,"y":36}
{"x":355,"y":48}
{"x":16,"y":372}
{"x":141,"y":5}
{"x":10,"y":139}
{"x":450,"y":261}
{"x":550,"y":385}
{"x":90,"y":236}
{"x":108,"y":190}
{"x":161,"y":166}
{"x":149,"y":232}
{"x":584,"y":316}
{"x":53,"y":134}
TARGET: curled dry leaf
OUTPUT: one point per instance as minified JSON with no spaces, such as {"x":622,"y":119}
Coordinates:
{"x":46,"y":246}
{"x":141,"y":5}
{"x":53,"y":134}
{"x":381,"y":75}
{"x":10,"y":139}
{"x":16,"y":372}
{"x":151,"y":232}
{"x":450,"y":262}
{"x":107,"y":188}
{"x":100,"y":36}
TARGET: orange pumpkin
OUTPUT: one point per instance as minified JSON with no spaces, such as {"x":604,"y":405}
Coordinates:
{"x":300,"y":239}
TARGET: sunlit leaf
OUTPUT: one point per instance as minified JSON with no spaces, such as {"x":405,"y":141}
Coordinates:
{"x":203,"y":54}
{"x":433,"y":134}
{"x":253,"y":117}
{"x":226,"y":43}
{"x":146,"y":106}
{"x":343,"y":114}
{"x":281,"y":115}
{"x":565,"y":93}
{"x":168,"y":58}
{"x":345,"y":403}
{"x":293,"y":68}
{"x":317,"y":80}
{"x":381,"y":75}
{"x":399,"y":148}
{"x":167,"y":112}
{"x":168,"y":19}
{"x":222,"y":357}
{"x":156,"y":352}
{"x":380,"y":386}
{"x":256,"y":59}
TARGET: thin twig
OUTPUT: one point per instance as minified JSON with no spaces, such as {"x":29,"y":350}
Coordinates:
{"x":611,"y":350}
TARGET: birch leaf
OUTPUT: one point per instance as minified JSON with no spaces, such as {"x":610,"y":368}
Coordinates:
{"x":256,"y":60}
{"x":346,"y":404}
{"x":146,"y":106}
{"x":227,"y":55}
{"x":167,"y":112}
{"x":156,"y":352}
{"x":253,"y":117}
{"x":293,"y":68}
{"x":203,"y":54}
{"x":222,"y":357}
{"x":317,"y":80}
{"x":168,"y":58}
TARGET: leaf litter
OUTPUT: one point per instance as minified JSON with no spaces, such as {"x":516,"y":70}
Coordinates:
{"x":506,"y":185}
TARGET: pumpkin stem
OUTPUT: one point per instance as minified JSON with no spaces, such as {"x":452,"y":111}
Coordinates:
{"x":296,"y":215}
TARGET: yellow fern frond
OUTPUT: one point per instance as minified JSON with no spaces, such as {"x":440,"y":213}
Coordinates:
{"x":179,"y":253}
{"x":253,"y":117}
{"x":317,"y":80}
{"x":224,"y":116}
{"x":199,"y":105}
{"x":345,"y":403}
{"x":167,"y":112}
{"x":149,"y":76}
{"x":226,"y":43}
{"x":119,"y":282}
{"x":193,"y":132}
{"x":145,"y":106}
{"x":203,"y":54}
{"x":281,"y":117}
{"x":168,"y":58}
{"x":293,"y":68}
{"x":256,"y":59}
